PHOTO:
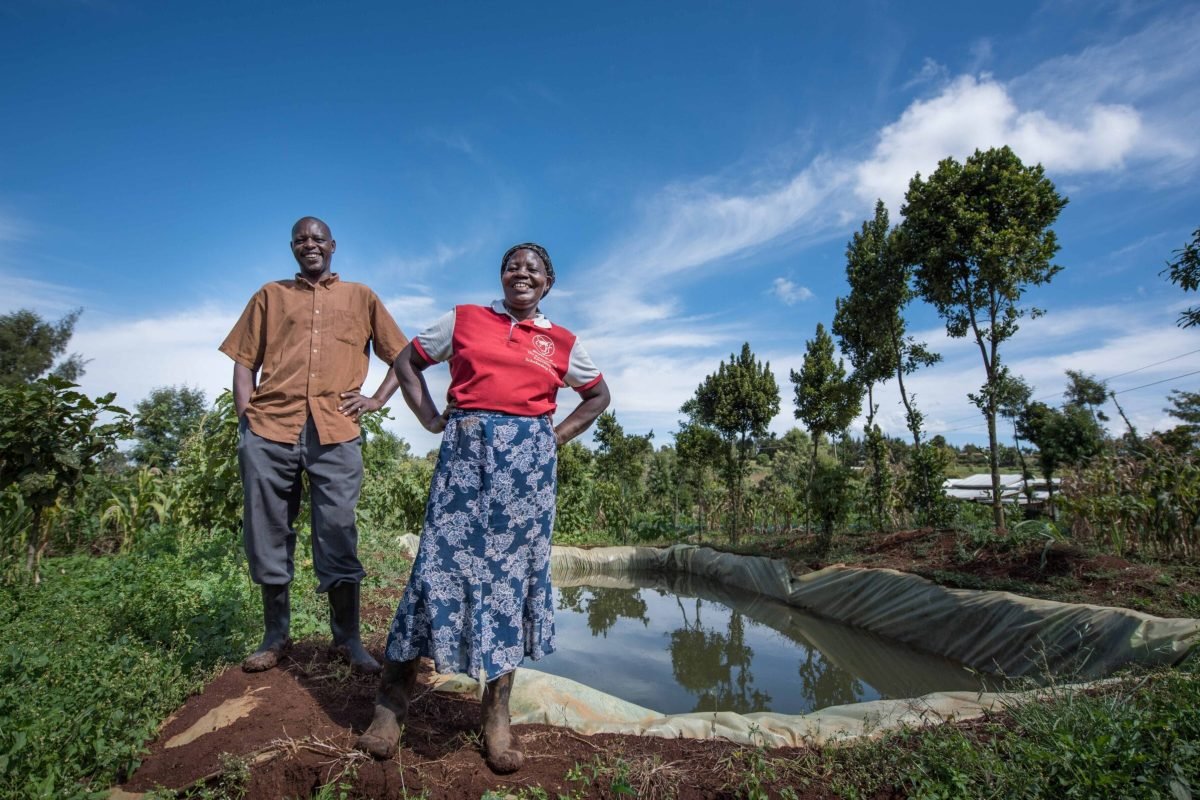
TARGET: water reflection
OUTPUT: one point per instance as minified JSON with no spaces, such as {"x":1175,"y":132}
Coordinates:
{"x":605,"y":608}
{"x":715,"y":666}
{"x":681,"y":644}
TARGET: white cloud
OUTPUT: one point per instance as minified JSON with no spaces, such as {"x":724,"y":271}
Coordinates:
{"x":131,"y":357}
{"x":975,"y":113}
{"x":789,"y":292}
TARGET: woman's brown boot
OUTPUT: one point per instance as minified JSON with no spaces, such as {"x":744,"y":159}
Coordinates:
{"x":501,"y":746}
{"x":391,"y":709}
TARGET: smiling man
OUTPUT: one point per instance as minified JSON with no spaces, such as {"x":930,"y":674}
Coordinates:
{"x":301,"y":352}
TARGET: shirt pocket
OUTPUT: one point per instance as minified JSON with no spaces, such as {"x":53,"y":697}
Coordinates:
{"x":351,"y":329}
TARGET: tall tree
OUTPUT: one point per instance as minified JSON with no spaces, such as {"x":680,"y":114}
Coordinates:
{"x":827,"y":401}
{"x":738,"y":401}
{"x":1184,"y":272}
{"x":161,"y":422}
{"x":978,"y":235}
{"x":872,"y":332}
{"x":29,"y":347}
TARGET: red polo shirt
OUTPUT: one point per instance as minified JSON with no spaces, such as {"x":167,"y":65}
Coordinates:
{"x":498,"y":363}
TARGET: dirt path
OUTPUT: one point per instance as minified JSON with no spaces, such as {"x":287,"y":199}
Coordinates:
{"x":294,"y":728}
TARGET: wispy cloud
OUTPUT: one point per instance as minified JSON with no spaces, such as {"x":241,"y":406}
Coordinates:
{"x":43,"y":297}
{"x":790,"y":293}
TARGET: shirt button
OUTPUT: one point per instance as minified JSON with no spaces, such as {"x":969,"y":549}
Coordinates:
{"x":314,"y":349}
{"x":318,"y":311}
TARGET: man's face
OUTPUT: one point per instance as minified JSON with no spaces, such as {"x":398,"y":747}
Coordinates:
{"x":313,"y":246}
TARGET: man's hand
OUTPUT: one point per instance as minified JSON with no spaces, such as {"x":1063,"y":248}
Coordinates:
{"x":354,"y":404}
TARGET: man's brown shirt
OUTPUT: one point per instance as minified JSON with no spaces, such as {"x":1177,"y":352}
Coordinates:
{"x":310,"y":343}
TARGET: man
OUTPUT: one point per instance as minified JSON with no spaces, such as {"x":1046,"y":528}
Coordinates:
{"x":306,"y":340}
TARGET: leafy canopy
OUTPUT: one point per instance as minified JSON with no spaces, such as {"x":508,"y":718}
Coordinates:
{"x":162,"y":422}
{"x":29,"y":346}
{"x":826,"y":400}
{"x":739,"y":400}
{"x":1184,"y":272}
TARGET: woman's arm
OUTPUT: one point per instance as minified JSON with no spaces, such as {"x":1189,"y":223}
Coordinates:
{"x":595,"y":400}
{"x":409,"y":366}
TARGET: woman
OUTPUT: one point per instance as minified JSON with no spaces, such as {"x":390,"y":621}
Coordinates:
{"x":479,"y":596}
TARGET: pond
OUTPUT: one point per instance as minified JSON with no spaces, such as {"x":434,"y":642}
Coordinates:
{"x":677,"y":644}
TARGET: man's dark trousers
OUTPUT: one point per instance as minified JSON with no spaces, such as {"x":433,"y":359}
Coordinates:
{"x":271,"y":473}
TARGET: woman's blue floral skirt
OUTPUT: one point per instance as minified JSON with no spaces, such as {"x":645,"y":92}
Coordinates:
{"x":479,"y":594}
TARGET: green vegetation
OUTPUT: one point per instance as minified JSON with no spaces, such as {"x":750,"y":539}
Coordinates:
{"x":1184,"y":272}
{"x":98,"y":654}
{"x":122,"y":585}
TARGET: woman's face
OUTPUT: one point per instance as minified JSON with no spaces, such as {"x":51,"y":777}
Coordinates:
{"x":525,"y":283}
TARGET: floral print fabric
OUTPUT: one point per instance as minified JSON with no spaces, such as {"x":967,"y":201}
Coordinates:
{"x":479,"y":595}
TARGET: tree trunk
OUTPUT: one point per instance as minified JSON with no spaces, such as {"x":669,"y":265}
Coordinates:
{"x":994,"y":461}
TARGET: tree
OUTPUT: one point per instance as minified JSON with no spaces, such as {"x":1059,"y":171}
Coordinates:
{"x":872,"y":333}
{"x":1065,"y":437}
{"x":1184,"y":272}
{"x":978,"y":235}
{"x":51,"y":437}
{"x":29,"y":346}
{"x":738,"y":401}
{"x":1012,"y":398}
{"x":1086,"y":391}
{"x":1185,"y":407}
{"x":826,"y":400}
{"x":620,"y":466}
{"x":161,"y":423}
{"x":700,"y":451}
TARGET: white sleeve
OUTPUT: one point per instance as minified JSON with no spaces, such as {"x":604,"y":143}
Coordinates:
{"x":437,"y":341}
{"x":580,"y":369}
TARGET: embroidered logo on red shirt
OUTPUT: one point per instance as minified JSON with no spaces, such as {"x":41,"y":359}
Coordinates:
{"x":544,"y":344}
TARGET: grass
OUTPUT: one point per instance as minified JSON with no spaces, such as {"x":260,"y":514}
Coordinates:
{"x":100,"y":652}
{"x":1139,"y":738}
{"x":106,"y":647}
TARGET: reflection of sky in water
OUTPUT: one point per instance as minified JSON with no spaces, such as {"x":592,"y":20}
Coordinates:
{"x":678,"y":654}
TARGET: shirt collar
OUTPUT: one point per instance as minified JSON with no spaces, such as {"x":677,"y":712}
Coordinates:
{"x":326,"y":282}
{"x":538,"y":318}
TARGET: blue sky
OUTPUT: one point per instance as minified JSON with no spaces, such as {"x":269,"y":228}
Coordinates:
{"x":695,"y":169}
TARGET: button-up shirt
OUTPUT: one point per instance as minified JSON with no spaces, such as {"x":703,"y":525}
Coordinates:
{"x":310,"y":343}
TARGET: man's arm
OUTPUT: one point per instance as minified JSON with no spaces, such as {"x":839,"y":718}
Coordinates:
{"x":243,"y":387}
{"x":408,"y":369}
{"x":595,"y":400}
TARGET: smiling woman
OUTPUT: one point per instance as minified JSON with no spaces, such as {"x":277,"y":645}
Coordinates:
{"x":479,"y":596}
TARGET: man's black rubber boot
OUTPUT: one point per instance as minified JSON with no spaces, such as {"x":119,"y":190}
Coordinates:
{"x":277,"y":614}
{"x":343,"y":622}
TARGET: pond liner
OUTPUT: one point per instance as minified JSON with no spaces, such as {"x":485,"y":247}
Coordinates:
{"x":996,"y":633}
